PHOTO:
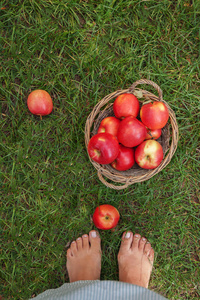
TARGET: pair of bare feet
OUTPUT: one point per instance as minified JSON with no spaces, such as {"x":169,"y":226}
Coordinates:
{"x":135,"y":259}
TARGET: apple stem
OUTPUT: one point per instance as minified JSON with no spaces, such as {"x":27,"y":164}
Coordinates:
{"x":150,"y":134}
{"x":41,"y":117}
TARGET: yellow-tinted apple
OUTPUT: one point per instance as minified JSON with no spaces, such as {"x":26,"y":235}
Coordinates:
{"x":149,"y":154}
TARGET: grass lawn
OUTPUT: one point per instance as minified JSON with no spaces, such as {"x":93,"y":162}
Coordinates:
{"x":80,"y":51}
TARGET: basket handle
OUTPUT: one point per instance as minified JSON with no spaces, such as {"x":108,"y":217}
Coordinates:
{"x":146,"y":81}
{"x":110,"y":185}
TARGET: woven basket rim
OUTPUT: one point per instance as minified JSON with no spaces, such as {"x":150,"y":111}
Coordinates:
{"x":112,"y":174}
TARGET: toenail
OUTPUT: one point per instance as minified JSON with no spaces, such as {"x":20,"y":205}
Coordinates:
{"x":93,"y":234}
{"x":143,"y":239}
{"x":127,"y":235}
{"x":85,"y":235}
{"x":137,"y":235}
{"x":78,"y":239}
{"x":73,"y":242}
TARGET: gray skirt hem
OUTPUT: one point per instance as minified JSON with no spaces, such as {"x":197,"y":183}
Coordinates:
{"x":99,"y":290}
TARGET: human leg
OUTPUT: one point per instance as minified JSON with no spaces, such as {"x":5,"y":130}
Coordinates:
{"x":84,"y":258}
{"x":135,"y":260}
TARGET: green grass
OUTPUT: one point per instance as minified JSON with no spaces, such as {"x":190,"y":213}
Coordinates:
{"x":80,"y":51}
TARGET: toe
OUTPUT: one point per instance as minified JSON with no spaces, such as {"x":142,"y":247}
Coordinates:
{"x":69,"y":253}
{"x":95,"y":240}
{"x":136,"y":239}
{"x":147,"y":248}
{"x":73,"y":248}
{"x":85,"y":241}
{"x":151,"y":256}
{"x":79,"y":243}
{"x":126,"y":242}
{"x":142,"y":243}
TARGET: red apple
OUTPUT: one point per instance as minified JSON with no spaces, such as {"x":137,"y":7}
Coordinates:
{"x":109,"y":125}
{"x":153,"y":134}
{"x":103,"y":148}
{"x":40,"y":103}
{"x":126,"y":105}
{"x":149,"y":154}
{"x":154,"y":115}
{"x":125,"y":159}
{"x":131,"y":132}
{"x":105,"y":217}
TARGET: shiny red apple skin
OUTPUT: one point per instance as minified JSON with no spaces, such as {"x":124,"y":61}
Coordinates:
{"x":125,"y":159}
{"x":40,"y":103}
{"x":154,"y":115}
{"x":103,"y":148}
{"x":153,"y":134}
{"x":131,"y":132}
{"x":106,"y":217}
{"x":149,"y":154}
{"x":109,"y":125}
{"x":126,"y":105}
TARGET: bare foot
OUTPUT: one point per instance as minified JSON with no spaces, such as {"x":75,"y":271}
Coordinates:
{"x":84,"y":258}
{"x":135,"y":260}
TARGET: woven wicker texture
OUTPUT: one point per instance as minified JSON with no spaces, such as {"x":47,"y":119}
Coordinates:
{"x":168,"y":140}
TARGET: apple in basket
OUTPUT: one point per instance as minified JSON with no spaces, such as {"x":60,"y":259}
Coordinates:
{"x":109,"y":125}
{"x":106,"y":217}
{"x":131,"y":132}
{"x":154,"y":115}
{"x":149,"y":154}
{"x":103,"y":148}
{"x":153,"y":134}
{"x":125,"y":159}
{"x":40,"y":103}
{"x":126,"y":105}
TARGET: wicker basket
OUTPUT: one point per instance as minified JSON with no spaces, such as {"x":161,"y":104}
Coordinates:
{"x":168,"y":139}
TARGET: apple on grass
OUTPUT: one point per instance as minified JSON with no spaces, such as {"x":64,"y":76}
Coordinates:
{"x":40,"y":103}
{"x":149,"y":154}
{"x":154,"y":115}
{"x":109,"y":125}
{"x":126,"y":105}
{"x":103,"y":148}
{"x":131,"y":132}
{"x":125,"y":159}
{"x":105,"y":217}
